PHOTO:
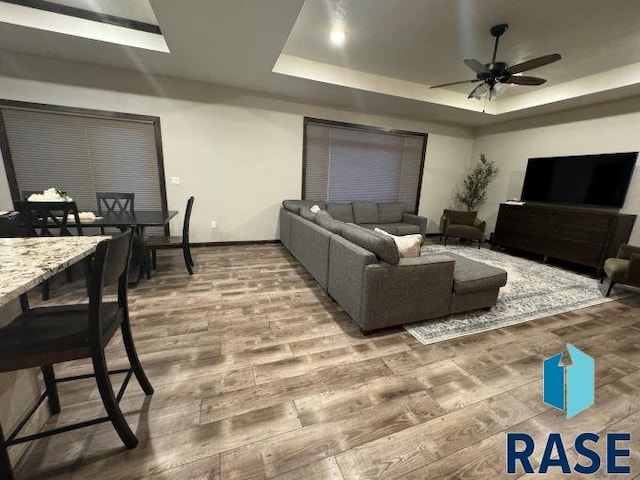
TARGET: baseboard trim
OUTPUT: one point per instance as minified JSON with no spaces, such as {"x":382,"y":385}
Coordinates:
{"x":234,"y":242}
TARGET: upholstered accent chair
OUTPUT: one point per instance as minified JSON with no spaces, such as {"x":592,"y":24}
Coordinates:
{"x":625,"y":268}
{"x":458,"y":224}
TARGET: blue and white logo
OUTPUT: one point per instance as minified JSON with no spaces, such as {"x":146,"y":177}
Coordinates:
{"x":571,"y":387}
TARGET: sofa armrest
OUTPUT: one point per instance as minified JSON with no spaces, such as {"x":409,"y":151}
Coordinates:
{"x":416,"y":220}
{"x":444,"y":223}
{"x":626,"y":250}
{"x":633,"y":274}
{"x":347,"y":264}
{"x":416,"y":289}
{"x":480,"y":225}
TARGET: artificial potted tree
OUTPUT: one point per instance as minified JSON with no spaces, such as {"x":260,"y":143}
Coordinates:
{"x":463,"y":222}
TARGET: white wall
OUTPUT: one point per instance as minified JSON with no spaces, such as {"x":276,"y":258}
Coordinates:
{"x":512,"y":149}
{"x":239,"y":153}
{"x":446,"y":163}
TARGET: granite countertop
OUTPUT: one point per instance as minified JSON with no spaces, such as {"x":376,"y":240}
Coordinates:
{"x":27,"y":262}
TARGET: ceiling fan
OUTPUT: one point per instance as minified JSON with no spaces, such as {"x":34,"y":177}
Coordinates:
{"x":494,"y":74}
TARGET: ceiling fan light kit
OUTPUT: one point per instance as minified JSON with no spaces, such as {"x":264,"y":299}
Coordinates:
{"x":494,"y":75}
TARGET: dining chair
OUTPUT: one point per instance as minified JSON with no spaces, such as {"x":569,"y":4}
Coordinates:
{"x":51,"y":219}
{"x":114,"y":202}
{"x":44,"y":337}
{"x":460,"y":224}
{"x":152,"y":244}
{"x":624,"y":268}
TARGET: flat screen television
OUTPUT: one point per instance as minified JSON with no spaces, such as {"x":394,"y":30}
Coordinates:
{"x":597,"y":180}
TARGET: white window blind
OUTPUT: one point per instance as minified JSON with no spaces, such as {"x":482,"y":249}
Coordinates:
{"x":83,"y":155}
{"x":346,"y":163}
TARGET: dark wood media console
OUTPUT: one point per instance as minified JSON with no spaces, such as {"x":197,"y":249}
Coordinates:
{"x":587,"y":236}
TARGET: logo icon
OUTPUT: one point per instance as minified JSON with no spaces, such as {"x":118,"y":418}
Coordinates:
{"x":570,"y":387}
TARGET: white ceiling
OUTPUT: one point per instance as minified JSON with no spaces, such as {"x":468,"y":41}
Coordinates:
{"x":394,"y":50}
{"x":426,"y":41}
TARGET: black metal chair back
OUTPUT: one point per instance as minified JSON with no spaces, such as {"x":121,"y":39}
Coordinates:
{"x":44,"y":218}
{"x":187,"y":220}
{"x":114,"y":202}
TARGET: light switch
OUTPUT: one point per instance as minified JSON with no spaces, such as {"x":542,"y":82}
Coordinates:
{"x":175,"y":180}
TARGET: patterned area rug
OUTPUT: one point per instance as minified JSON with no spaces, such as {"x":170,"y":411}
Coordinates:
{"x":533,"y":291}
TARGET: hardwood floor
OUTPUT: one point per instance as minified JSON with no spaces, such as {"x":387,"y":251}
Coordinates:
{"x":259,"y":374}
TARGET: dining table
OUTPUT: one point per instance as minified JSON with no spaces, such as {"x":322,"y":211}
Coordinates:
{"x":139,"y":220}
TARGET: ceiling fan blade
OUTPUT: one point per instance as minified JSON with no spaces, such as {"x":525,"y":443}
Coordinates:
{"x":523,"y":80}
{"x":534,"y":63}
{"x":456,"y":83}
{"x":471,"y":95}
{"x":476,"y":66}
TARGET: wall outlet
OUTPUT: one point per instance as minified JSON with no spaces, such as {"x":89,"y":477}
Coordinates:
{"x":175,"y":180}
{"x":214,"y":224}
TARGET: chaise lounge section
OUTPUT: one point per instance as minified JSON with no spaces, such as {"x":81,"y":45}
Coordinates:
{"x":362,"y":269}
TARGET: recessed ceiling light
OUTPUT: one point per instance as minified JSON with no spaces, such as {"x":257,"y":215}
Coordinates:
{"x":337,"y":37}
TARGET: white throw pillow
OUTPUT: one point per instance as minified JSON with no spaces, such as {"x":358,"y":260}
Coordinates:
{"x":408,"y":245}
{"x":315,"y":209}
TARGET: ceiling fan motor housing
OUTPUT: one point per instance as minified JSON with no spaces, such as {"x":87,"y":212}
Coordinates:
{"x":498,"y":71}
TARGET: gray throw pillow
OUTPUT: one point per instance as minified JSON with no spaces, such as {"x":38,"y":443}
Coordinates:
{"x":307,"y":214}
{"x":295,"y":205}
{"x":326,"y":221}
{"x":382,"y":246}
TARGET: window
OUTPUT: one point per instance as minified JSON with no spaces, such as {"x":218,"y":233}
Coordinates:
{"x":344,"y":163}
{"x":82,"y":152}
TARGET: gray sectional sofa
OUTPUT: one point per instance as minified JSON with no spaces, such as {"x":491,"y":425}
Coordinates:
{"x":362,"y":270}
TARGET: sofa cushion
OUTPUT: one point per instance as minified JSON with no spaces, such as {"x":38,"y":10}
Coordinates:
{"x":306,"y":213}
{"x":470,"y":276}
{"x":384,"y":247}
{"x":295,"y":205}
{"x":365,"y":212}
{"x":464,"y":231}
{"x":391,"y":212}
{"x":341,"y":211}
{"x":457,"y":217}
{"x":389,"y":228}
{"x":400,"y":228}
{"x":369,"y":226}
{"x":408,"y":245}
{"x":326,"y":221}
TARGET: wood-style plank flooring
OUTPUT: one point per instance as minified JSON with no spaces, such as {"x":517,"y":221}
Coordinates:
{"x":259,"y":374}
